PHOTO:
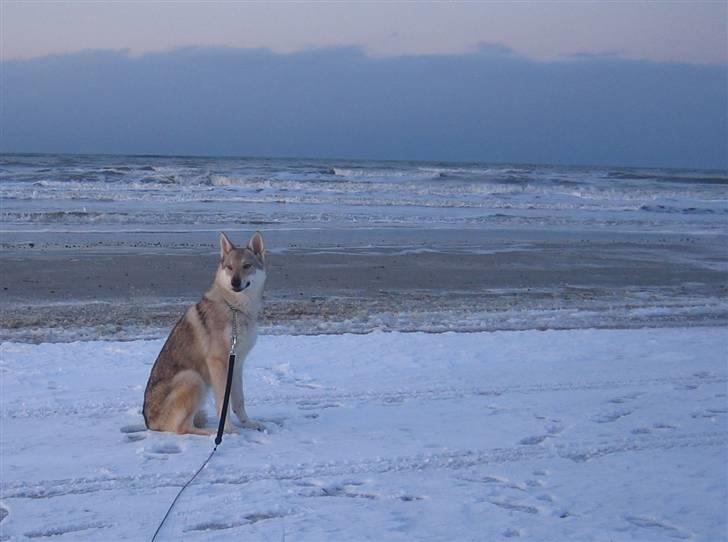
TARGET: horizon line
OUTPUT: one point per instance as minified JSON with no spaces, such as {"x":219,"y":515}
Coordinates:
{"x":393,"y":160}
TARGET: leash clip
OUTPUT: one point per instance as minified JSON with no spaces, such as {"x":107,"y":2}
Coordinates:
{"x":234,"y":340}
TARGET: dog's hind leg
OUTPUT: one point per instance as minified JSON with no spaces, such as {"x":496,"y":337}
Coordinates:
{"x":184,"y":402}
{"x":200,"y":419}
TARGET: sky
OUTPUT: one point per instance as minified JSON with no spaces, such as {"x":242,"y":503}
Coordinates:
{"x":614,"y":83}
{"x":685,"y":31}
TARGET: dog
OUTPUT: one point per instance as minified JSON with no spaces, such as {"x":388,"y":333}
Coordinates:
{"x":195,"y":356}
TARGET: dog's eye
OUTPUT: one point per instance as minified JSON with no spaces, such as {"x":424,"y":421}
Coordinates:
{"x":247,"y":265}
{"x":229,"y":267}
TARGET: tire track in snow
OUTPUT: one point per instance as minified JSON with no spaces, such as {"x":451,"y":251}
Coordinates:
{"x":95,"y":408}
{"x":578,"y":452}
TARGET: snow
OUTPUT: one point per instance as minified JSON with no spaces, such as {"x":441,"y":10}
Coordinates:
{"x":534,"y":435}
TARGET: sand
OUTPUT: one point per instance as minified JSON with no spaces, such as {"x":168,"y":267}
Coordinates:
{"x":128,"y":289}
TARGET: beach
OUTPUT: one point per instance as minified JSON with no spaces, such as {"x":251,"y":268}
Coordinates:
{"x":446,"y":351}
{"x":533,"y":435}
{"x":116,"y":288}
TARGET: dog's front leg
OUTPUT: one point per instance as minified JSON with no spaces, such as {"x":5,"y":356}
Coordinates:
{"x":218,"y":376}
{"x":237,"y":396}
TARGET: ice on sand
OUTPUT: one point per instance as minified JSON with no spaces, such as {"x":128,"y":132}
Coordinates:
{"x":580,"y":435}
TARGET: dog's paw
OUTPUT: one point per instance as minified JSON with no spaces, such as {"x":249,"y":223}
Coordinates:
{"x":252,"y":424}
{"x":230,"y":429}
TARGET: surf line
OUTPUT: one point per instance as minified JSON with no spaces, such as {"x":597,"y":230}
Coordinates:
{"x":223,"y":416}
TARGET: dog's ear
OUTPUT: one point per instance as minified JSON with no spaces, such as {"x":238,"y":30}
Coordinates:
{"x":225,"y":246}
{"x":257,"y":246}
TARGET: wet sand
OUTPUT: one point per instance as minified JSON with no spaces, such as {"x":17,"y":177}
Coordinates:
{"x":87,"y":289}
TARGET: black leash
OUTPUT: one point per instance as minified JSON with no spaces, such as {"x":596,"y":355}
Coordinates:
{"x":180,"y":493}
{"x":220,"y":427}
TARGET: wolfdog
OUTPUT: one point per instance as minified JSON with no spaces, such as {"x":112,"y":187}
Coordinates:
{"x":195,"y":356}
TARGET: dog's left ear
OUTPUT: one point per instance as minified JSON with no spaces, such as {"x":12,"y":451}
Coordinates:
{"x":256,"y":245}
{"x":225,"y":245}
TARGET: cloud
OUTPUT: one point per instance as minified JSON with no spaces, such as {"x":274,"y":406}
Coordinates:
{"x":490,"y":105}
{"x":584,"y":55}
{"x":488,"y":48}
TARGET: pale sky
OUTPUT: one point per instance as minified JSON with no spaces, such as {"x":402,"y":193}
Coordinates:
{"x":685,"y":31}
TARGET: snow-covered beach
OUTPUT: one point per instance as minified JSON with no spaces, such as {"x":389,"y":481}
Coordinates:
{"x":543,"y":435}
{"x":448,"y":351}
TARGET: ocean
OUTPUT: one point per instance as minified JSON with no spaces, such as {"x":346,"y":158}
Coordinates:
{"x":79,"y":193}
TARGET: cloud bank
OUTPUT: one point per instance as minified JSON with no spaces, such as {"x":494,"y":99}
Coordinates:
{"x":491,"y":105}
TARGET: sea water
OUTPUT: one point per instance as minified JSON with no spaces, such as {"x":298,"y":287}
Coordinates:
{"x":113,"y":193}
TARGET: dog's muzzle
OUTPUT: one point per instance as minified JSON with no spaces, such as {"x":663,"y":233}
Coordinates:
{"x":238,"y":288}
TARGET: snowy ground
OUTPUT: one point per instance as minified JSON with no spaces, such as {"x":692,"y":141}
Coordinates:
{"x":555,"y":435}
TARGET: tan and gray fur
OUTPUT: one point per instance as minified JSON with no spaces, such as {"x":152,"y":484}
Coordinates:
{"x":195,"y":357}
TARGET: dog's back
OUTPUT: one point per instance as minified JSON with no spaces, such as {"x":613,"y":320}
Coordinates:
{"x":179,"y":379}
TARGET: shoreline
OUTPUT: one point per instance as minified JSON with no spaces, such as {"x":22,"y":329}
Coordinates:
{"x":439,"y":281}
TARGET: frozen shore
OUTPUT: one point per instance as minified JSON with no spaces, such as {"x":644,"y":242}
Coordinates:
{"x":562,"y":376}
{"x":64,"y":287}
{"x":537,"y":435}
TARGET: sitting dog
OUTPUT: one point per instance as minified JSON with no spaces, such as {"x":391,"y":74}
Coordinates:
{"x":195,"y":356}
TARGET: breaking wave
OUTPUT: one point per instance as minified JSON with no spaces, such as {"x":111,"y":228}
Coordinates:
{"x":37,"y":189}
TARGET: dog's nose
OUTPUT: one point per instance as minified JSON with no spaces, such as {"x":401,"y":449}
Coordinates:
{"x":235,"y":283}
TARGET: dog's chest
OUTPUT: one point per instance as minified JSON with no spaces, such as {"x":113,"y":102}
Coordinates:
{"x":246,"y":337}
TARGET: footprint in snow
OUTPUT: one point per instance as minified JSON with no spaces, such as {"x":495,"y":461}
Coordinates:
{"x":613,"y":416}
{"x":552,"y":430}
{"x":308,"y":385}
{"x":496,"y":481}
{"x":627,"y":397}
{"x":248,"y":519}
{"x":278,"y":421}
{"x":282,"y":374}
{"x":660,"y":425}
{"x":313,"y":404}
{"x":134,"y":432}
{"x":709,"y":413}
{"x":686,"y":386}
{"x":657,"y":526}
{"x":66,"y":529}
{"x":214,"y":526}
{"x":350,"y":489}
{"x":133,"y":428}
{"x":532,"y":440}
{"x":527,"y":509}
{"x":162,"y":449}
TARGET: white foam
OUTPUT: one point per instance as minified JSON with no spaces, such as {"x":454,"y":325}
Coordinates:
{"x":130,"y":190}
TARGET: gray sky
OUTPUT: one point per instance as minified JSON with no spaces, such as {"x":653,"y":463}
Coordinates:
{"x":491,"y":106}
{"x":687,"y":31}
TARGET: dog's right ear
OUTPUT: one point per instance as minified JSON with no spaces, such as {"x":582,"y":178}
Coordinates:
{"x":225,"y":246}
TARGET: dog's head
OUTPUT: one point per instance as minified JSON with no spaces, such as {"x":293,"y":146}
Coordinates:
{"x":242,"y":270}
